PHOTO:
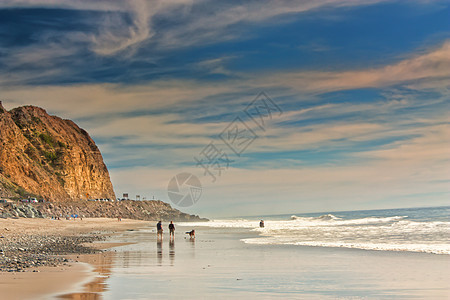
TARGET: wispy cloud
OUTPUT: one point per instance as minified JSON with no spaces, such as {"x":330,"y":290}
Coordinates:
{"x":432,"y":65}
{"x":128,"y":23}
{"x":116,"y":34}
{"x":146,"y":114}
{"x":215,"y":65}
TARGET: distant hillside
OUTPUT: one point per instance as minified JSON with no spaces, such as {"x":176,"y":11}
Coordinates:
{"x":46,"y":156}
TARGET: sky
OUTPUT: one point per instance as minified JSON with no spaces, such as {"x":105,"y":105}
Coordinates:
{"x":277,"y":107}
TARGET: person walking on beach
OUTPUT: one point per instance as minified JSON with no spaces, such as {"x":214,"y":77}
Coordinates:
{"x":159,"y":229}
{"x":172,"y":229}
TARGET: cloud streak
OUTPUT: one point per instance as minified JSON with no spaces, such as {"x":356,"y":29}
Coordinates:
{"x":127,"y":24}
{"x":432,"y":65}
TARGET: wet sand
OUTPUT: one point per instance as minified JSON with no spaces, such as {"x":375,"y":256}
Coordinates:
{"x":49,"y":282}
{"x":217,"y":265}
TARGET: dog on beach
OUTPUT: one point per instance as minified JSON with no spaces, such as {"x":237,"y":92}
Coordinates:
{"x":191,"y":233}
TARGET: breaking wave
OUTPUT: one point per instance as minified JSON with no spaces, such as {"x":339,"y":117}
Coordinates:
{"x":390,"y":233}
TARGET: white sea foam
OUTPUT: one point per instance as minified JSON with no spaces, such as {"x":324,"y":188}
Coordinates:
{"x":223,"y":224}
{"x":325,"y":220}
{"x":393,"y":233}
{"x":323,"y":217}
{"x":427,"y":248}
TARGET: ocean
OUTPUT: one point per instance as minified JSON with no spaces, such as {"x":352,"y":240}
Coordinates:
{"x":378,"y":254}
{"x":408,"y":229}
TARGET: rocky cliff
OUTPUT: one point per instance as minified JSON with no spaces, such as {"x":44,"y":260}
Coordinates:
{"x":46,"y":156}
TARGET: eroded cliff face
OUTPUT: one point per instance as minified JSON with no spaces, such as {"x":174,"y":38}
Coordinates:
{"x":47,"y":156}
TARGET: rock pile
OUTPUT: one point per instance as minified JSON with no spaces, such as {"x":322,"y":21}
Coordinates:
{"x":11,"y":210}
{"x":139,"y":210}
{"x":19,"y":252}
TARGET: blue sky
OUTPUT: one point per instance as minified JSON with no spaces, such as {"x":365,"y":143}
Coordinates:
{"x":363,"y":88}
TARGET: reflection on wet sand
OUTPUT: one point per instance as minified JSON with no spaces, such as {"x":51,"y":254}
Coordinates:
{"x":159,"y":251}
{"x":130,"y":259}
{"x":192,"y":242}
{"x":172,"y":251}
{"x":140,"y":258}
{"x":102,"y":263}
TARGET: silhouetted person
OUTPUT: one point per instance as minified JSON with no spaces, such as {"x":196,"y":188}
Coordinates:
{"x":172,"y":229}
{"x":159,"y":229}
{"x":261,"y":224}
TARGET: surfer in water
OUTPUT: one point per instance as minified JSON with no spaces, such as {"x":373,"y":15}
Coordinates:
{"x":261,"y":224}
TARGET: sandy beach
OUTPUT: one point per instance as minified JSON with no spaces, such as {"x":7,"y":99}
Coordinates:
{"x":56,"y":275}
{"x":216,"y":264}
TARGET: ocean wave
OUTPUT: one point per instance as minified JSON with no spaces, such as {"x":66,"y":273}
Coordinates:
{"x":425,"y":248}
{"x":372,"y":220}
{"x":328,"y":219}
{"x":223,"y":224}
{"x":295,"y":222}
{"x":393,"y":233}
{"x":323,"y":217}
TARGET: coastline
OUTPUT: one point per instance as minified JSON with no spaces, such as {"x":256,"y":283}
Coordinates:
{"x":218,"y":264}
{"x":48,"y":274}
